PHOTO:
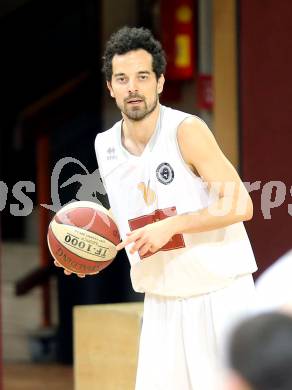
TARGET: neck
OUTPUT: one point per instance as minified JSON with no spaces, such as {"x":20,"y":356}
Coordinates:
{"x":141,"y":131}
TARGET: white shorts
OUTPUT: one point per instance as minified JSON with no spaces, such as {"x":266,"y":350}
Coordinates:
{"x":182,"y":338}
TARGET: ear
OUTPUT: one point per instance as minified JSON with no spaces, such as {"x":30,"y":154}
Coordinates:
{"x":109,"y":86}
{"x":160,"y":84}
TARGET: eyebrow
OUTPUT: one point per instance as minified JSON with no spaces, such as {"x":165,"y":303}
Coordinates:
{"x":140,"y":72}
{"x":119,"y":74}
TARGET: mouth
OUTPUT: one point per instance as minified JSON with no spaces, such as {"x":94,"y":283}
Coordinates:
{"x":134,"y":101}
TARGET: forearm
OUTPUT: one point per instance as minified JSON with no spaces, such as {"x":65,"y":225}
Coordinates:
{"x":217,"y":215}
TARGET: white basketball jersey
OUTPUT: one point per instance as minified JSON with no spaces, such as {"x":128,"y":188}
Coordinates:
{"x":157,"y":184}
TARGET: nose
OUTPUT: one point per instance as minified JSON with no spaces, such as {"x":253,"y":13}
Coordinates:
{"x":132,"y":86}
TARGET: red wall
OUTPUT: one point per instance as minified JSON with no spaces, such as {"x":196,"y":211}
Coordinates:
{"x":265,"y":57}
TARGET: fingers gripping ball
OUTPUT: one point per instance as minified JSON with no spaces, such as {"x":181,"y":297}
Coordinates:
{"x":82,"y":237}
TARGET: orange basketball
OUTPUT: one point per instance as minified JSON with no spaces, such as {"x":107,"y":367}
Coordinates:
{"x":82,"y":237}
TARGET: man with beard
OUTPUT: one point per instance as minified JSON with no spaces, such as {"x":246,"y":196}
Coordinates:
{"x":179,"y":205}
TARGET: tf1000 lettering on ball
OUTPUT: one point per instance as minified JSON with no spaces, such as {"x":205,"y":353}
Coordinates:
{"x":82,"y":237}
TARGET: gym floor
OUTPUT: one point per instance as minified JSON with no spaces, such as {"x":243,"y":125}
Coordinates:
{"x":37,"y":377}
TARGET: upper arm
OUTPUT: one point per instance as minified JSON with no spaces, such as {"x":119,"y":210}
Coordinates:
{"x":200,"y":150}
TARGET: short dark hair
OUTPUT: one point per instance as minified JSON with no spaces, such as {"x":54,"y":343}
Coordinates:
{"x":261,"y":351}
{"x":131,"y":38}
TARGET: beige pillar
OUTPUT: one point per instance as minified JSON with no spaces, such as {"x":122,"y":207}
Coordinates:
{"x":225,"y":78}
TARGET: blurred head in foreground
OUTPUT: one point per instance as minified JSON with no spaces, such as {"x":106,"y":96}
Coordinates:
{"x":260,"y":353}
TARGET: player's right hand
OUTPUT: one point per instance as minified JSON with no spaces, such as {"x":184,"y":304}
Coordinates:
{"x":66,"y":272}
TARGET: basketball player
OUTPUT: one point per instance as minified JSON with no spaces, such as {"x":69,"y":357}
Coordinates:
{"x":167,"y":183}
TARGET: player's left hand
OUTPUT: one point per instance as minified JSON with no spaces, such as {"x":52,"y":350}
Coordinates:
{"x":148,"y":238}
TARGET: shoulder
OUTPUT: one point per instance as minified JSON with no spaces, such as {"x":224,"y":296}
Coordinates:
{"x":107,"y":135}
{"x":188,"y":124}
{"x":197,"y":142}
{"x":173,"y":114}
{"x":193,"y":131}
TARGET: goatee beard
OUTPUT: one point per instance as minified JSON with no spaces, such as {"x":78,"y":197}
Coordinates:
{"x":137,"y":113}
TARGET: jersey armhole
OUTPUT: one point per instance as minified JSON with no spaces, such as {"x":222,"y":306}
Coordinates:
{"x":175,"y":138}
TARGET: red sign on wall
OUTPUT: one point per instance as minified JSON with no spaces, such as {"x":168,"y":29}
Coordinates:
{"x":177,"y":36}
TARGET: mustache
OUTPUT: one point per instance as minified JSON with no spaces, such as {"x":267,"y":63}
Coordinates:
{"x":134,"y":96}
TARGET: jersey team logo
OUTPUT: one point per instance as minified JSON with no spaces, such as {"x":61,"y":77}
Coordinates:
{"x":148,"y":194}
{"x":164,"y":173}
